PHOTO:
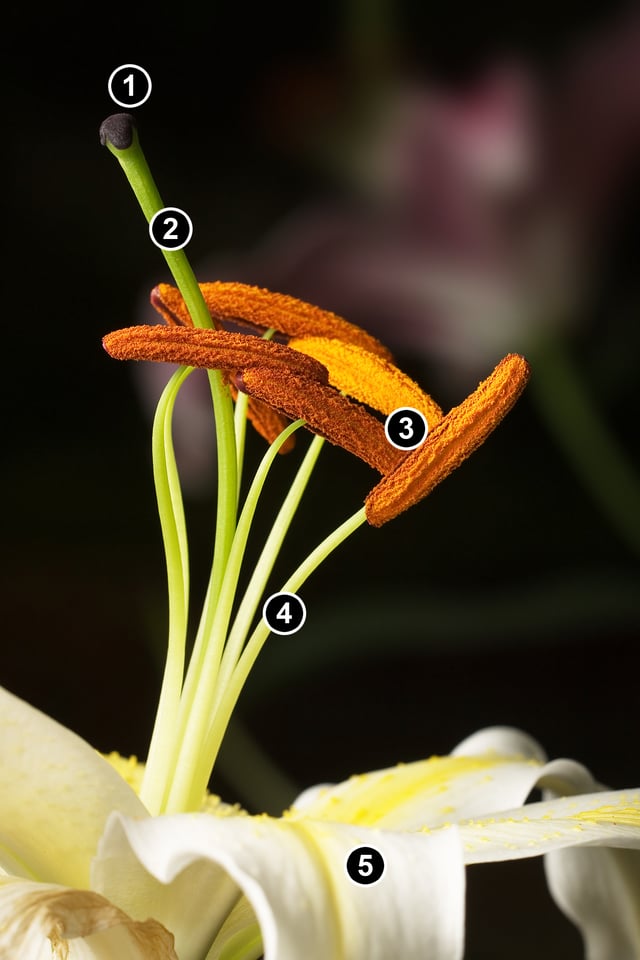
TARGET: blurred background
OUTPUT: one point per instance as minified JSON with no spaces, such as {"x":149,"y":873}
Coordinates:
{"x":463,"y":184}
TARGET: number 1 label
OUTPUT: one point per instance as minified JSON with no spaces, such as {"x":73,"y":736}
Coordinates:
{"x":129,"y":85}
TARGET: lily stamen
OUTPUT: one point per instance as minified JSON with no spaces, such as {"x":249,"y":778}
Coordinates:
{"x":454,"y":439}
{"x":276,"y":375}
{"x":261,"y":309}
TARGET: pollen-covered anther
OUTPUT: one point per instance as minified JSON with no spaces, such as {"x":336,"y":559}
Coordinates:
{"x":454,"y":439}
{"x":211,"y":349}
{"x":263,"y":310}
{"x":168,"y":302}
{"x":367,"y":377}
{"x":326,"y":412}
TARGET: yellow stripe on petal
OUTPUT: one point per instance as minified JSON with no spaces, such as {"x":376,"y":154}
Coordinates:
{"x":624,"y":815}
{"x":421,"y":794}
{"x":602,"y":819}
{"x":369,"y":378}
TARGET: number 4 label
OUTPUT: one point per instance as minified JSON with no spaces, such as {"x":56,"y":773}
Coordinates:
{"x":284,"y":613}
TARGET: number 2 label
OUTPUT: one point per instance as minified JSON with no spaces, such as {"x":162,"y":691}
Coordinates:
{"x":171,"y":228}
{"x":170,"y":234}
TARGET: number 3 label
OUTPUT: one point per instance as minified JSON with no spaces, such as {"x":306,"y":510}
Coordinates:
{"x":406,"y":428}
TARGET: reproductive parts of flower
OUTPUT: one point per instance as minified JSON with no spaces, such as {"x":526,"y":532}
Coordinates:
{"x":309,"y":368}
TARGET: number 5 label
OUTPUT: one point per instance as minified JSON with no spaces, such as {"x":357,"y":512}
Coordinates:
{"x":365,"y":866}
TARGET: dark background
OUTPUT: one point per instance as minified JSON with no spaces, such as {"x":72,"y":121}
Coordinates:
{"x":506,"y":598}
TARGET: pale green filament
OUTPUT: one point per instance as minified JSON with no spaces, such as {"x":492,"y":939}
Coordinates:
{"x":240,"y":426}
{"x":231,"y":691}
{"x":205,"y":683}
{"x":174,"y":535}
{"x":240,"y":422}
{"x":266,"y":561}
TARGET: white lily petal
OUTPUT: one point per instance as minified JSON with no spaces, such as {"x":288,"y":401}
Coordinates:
{"x":56,"y":793}
{"x":194,"y":906}
{"x":495,"y":769}
{"x":42,"y":921}
{"x":609,"y":819}
{"x":599,"y":890}
{"x":507,"y":741}
{"x":293,"y":875}
{"x":305,"y":800}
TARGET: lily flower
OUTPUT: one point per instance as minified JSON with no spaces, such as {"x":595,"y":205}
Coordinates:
{"x":104,"y":857}
{"x":85,"y":871}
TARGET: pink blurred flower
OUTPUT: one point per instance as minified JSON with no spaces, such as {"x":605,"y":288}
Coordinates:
{"x":477,"y":217}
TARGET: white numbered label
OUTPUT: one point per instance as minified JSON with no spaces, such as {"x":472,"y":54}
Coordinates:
{"x":284,"y":613}
{"x":129,"y":85}
{"x":365,"y":866}
{"x":406,"y":428}
{"x":171,"y":228}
